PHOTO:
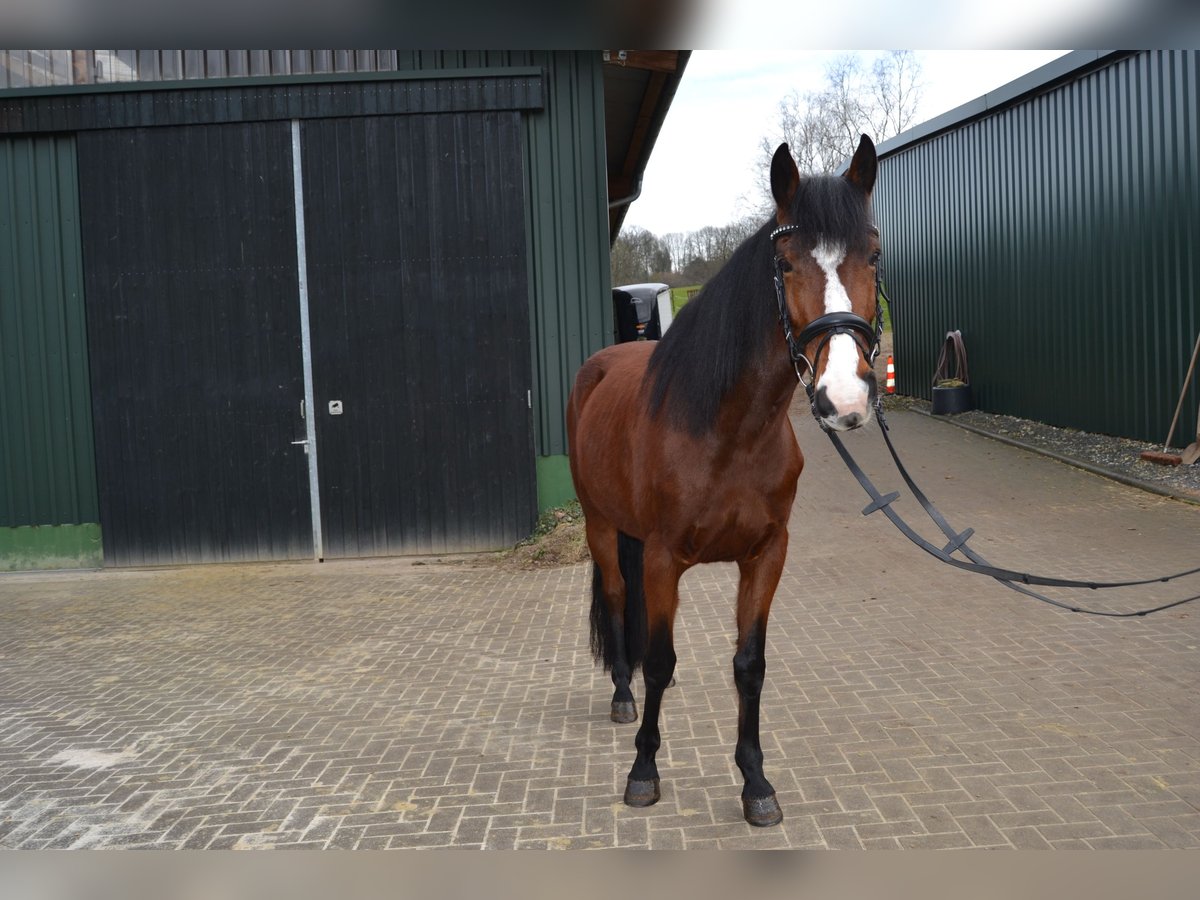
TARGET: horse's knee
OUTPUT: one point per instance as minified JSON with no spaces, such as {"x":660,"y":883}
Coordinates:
{"x":750,"y":667}
{"x":749,"y":683}
{"x":659,"y":664}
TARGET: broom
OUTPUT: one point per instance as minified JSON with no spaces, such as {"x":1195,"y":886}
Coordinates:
{"x":1170,"y":459}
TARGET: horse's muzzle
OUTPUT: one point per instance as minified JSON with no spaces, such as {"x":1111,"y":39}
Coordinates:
{"x":847,"y":417}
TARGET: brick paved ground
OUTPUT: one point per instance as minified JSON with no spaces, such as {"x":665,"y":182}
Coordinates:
{"x":380,"y":704}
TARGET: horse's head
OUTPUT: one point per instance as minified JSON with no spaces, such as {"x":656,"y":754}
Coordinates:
{"x":827,"y":249}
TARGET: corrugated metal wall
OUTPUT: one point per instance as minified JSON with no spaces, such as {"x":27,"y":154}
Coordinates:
{"x":48,"y":466}
{"x":41,"y":68}
{"x":1061,"y":235}
{"x":47,"y":68}
{"x":565,"y":171}
{"x":47,"y":469}
{"x":568,"y":228}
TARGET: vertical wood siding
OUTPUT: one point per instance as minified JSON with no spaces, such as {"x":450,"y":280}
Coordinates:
{"x":420,"y":328}
{"x":193,"y":321}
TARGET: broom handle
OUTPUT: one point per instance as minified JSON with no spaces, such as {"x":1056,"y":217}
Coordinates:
{"x":1182,"y":393}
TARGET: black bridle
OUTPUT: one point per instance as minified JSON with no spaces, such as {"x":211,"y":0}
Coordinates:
{"x":865,"y":334}
{"x":868,"y":337}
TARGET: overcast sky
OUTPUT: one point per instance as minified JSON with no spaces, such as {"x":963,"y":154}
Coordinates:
{"x":705,"y":162}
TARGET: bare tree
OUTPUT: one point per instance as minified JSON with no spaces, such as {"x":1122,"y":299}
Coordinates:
{"x":822,"y":127}
{"x":896,"y":77}
{"x":637,"y":256}
{"x":678,"y":258}
{"x":677,"y":245}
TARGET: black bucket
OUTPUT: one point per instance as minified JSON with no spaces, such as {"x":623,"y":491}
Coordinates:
{"x":952,"y":393}
{"x":951,"y":400}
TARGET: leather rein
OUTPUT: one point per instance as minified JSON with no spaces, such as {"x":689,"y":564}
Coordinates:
{"x":867,"y":336}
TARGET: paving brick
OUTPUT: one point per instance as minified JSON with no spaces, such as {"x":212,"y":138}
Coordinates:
{"x":1127,"y":842}
{"x":1026,"y":837}
{"x":375,"y":703}
{"x":944,"y":841}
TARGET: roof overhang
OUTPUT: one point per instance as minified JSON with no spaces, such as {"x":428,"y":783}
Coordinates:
{"x":639,"y":86}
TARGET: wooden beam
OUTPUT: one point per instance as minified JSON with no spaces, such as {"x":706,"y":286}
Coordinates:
{"x":641,"y":128}
{"x":619,"y":187}
{"x":652,"y":60}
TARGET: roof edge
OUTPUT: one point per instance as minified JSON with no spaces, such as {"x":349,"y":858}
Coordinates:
{"x":670,"y":87}
{"x":1066,"y":67}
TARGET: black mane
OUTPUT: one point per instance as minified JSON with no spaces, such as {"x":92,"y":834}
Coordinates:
{"x":727,"y":327}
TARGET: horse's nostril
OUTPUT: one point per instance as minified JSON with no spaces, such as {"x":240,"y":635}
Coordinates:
{"x":824,"y":406}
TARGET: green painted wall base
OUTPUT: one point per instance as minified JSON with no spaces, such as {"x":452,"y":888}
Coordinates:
{"x":50,"y":547}
{"x":554,"y":484}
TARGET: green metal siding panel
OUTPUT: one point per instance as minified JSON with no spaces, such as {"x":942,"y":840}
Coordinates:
{"x":566,"y":190}
{"x":47,"y":469}
{"x":1059,"y":234}
{"x":568,"y":229}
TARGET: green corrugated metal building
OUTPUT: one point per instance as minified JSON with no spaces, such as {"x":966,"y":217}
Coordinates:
{"x":48,"y":501}
{"x":1054,"y":222}
{"x":570,"y":104}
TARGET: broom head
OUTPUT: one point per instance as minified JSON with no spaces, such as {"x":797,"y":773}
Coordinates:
{"x":1163,"y":459}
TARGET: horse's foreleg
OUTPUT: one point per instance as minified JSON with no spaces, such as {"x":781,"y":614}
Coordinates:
{"x":661,"y":579}
{"x":756,"y":588}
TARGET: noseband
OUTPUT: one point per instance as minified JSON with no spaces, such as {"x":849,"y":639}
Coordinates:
{"x":866,"y":335}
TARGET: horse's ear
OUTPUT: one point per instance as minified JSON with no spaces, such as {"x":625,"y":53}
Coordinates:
{"x":785,"y":177}
{"x":862,"y":167}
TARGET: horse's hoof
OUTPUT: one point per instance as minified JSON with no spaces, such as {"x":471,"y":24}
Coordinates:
{"x":641,"y":793}
{"x":762,"y":811}
{"x":623,"y":712}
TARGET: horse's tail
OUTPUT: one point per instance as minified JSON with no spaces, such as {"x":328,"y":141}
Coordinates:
{"x":629,"y":558}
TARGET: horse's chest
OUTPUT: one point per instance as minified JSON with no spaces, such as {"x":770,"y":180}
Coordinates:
{"x":735,"y":524}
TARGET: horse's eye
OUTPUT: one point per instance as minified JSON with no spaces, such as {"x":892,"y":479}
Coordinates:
{"x":784,"y":265}
{"x":874,"y":260}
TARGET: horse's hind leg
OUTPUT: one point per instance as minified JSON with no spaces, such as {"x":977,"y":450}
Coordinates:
{"x":609,"y":610}
{"x":756,"y":588}
{"x":662,"y":598}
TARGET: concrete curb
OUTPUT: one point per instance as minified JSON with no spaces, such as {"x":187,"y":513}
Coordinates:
{"x":1148,"y":486}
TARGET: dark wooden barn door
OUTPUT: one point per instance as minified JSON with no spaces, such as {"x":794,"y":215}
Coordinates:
{"x":415,"y":234}
{"x":194,"y":340}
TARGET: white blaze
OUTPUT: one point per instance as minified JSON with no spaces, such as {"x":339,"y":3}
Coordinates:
{"x":845,"y":390}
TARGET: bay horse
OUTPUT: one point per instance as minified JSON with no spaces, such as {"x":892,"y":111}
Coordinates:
{"x":682,"y":452}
